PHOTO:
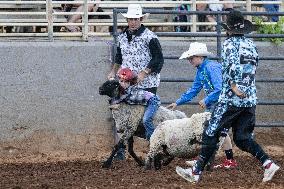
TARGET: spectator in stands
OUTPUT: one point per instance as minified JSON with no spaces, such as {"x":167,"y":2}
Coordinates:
{"x":201,"y":18}
{"x":76,"y":17}
{"x":139,"y":50}
{"x":272,"y":8}
{"x":212,"y":6}
{"x":217,"y":7}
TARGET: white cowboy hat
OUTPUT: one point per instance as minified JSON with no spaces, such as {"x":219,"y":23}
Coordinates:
{"x":134,"y":11}
{"x":196,"y":49}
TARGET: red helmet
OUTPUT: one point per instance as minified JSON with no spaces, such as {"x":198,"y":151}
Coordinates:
{"x":126,"y":74}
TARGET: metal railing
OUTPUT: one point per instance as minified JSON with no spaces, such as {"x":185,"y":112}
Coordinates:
{"x":218,"y":34}
{"x":50,"y":18}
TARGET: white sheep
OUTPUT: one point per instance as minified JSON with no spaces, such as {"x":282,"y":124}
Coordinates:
{"x":176,"y":138}
{"x":127,"y":119}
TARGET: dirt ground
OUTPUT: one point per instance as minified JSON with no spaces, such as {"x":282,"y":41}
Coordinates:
{"x":88,"y":174}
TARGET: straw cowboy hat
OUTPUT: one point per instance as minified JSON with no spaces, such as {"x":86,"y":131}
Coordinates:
{"x":237,"y":24}
{"x":196,"y":49}
{"x":134,"y":11}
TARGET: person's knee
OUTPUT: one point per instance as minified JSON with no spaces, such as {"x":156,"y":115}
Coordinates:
{"x":147,"y":120}
{"x":209,"y":141}
{"x":244,"y":145}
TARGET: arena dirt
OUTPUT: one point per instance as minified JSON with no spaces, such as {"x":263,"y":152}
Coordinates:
{"x":45,"y":172}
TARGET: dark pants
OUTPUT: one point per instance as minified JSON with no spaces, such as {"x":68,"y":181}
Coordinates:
{"x":242,"y":121}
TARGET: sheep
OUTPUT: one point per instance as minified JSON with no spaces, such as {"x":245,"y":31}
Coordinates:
{"x":127,"y":119}
{"x":176,"y":138}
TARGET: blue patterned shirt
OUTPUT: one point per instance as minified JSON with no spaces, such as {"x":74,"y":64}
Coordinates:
{"x":239,"y":63}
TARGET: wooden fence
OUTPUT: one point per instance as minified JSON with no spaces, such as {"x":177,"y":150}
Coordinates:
{"x":43,"y":16}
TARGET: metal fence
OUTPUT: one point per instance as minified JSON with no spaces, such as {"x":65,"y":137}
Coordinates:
{"x":18,"y":13}
{"x":218,"y":34}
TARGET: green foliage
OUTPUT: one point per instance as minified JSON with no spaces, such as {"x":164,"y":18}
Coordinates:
{"x":277,"y":28}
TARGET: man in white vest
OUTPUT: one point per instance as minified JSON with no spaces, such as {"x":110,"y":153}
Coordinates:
{"x":139,"y":50}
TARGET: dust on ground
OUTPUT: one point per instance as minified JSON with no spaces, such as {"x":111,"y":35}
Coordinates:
{"x":88,"y":174}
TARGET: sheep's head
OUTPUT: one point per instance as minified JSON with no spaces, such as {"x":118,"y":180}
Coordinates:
{"x":110,"y":88}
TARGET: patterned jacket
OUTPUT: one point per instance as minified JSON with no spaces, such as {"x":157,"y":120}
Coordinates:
{"x":134,"y":95}
{"x":239,"y":63}
{"x":141,"y":51}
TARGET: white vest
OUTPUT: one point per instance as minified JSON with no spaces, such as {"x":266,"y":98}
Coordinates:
{"x":136,"y":56}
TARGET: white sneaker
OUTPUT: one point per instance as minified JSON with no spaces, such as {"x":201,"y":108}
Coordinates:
{"x":191,"y":163}
{"x":187,"y":174}
{"x":269,"y":171}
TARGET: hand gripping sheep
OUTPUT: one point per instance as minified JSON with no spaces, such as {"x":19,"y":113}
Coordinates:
{"x":178,"y":137}
{"x":127,"y":119}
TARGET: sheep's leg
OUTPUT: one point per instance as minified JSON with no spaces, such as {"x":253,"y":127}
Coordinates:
{"x":168,"y":158}
{"x":156,"y":144}
{"x":148,"y":163}
{"x":157,"y":161}
{"x":132,"y":153}
{"x":108,"y":162}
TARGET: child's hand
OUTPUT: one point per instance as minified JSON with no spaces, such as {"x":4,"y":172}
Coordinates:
{"x":114,"y":106}
{"x":237,"y":91}
{"x":202,"y":104}
{"x":141,"y":76}
{"x":111,"y":76}
{"x":172,"y":106}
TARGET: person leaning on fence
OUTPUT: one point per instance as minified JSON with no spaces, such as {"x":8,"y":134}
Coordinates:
{"x":76,"y":17}
{"x":217,"y":7}
{"x":208,"y":77}
{"x":272,"y":8}
{"x":237,"y":102}
{"x":139,"y":50}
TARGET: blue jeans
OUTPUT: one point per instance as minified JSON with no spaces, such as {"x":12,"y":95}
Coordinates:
{"x":272,"y":8}
{"x":150,"y":111}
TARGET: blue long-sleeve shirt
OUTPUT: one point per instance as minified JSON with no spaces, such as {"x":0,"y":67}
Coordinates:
{"x":208,"y":77}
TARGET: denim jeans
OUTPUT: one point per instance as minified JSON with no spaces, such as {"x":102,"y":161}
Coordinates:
{"x":150,"y":111}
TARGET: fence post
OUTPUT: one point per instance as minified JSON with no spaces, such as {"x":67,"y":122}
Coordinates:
{"x":193,"y":28}
{"x":248,"y":5}
{"x":49,"y":19}
{"x":85,"y":28}
{"x":114,"y":33}
{"x":218,"y":27}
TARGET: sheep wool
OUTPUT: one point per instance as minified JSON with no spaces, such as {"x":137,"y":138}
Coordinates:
{"x":127,"y":118}
{"x":182,"y":137}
